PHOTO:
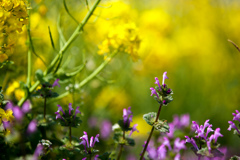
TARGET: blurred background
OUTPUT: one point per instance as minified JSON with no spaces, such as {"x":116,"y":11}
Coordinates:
{"x":186,"y":38}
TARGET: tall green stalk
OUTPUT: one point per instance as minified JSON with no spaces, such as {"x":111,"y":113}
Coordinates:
{"x":150,"y":135}
{"x":63,"y":49}
{"x":88,"y":78}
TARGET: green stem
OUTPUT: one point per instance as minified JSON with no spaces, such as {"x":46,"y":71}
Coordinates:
{"x":63,"y":49}
{"x":70,"y":135}
{"x":150,"y":135}
{"x":121,"y":147}
{"x":87,"y":79}
{"x":45,"y":106}
{"x":72,"y":38}
{"x":29,"y":52}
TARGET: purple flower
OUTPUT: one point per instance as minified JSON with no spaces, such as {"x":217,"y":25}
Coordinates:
{"x":178,"y":145}
{"x":153,"y":91}
{"x":38,"y":151}
{"x":217,"y":134}
{"x":86,"y":143}
{"x":26,"y":107}
{"x":166,"y":142}
{"x":162,"y":152}
{"x":106,"y":129}
{"x":127,"y":116}
{"x":60,"y":109}
{"x":18,"y":112}
{"x":76,"y":112}
{"x":70,"y":109}
{"x":192,"y":141}
{"x":164,"y":77}
{"x":32,"y":127}
{"x":58,"y":115}
{"x":134,"y":128}
{"x":232,"y":125}
{"x":236,"y":116}
{"x":55,"y":83}
{"x":157,"y":82}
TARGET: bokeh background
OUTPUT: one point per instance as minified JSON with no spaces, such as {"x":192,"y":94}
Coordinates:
{"x":186,"y":38}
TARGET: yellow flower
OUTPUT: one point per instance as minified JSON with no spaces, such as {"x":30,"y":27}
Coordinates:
{"x":3,"y":57}
{"x":6,"y":116}
{"x":14,"y":89}
{"x":123,"y":38}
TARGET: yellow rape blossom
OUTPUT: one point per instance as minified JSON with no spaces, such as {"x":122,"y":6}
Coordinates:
{"x":6,"y":115}
{"x":13,"y":16}
{"x":123,"y":38}
{"x":14,"y":89}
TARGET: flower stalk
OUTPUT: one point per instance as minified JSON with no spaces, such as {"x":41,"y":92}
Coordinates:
{"x":121,"y":147}
{"x":63,"y":50}
{"x":150,"y":135}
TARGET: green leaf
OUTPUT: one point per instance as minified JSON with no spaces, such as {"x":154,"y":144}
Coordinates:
{"x":150,"y":118}
{"x":105,"y":156}
{"x":162,"y":126}
{"x":124,"y":126}
{"x":234,"y":158}
{"x":130,"y":142}
{"x":39,"y":75}
{"x":213,"y":153}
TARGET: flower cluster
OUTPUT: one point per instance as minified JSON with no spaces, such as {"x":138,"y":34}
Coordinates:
{"x":161,"y":153}
{"x":236,"y":117}
{"x":124,"y":38}
{"x":68,"y":118}
{"x":19,"y":114}
{"x":162,"y":92}
{"x":13,"y":16}
{"x":46,"y":90}
{"x":178,"y":127}
{"x":203,"y":139}
{"x":88,"y":146}
{"x":5,"y":118}
{"x":179,"y":123}
{"x":127,"y":119}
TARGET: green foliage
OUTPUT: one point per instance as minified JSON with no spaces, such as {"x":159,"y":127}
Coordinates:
{"x":105,"y":156}
{"x":160,"y":125}
{"x":214,"y":152}
{"x":124,"y":126}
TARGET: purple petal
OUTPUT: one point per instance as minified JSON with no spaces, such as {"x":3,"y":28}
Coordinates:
{"x":91,"y":142}
{"x":153,"y":91}
{"x":26,"y":106}
{"x":55,"y":83}
{"x":134,"y":128}
{"x":32,"y":127}
{"x":164,"y":77}
{"x":76,"y":112}
{"x":217,"y":134}
{"x":166,"y":142}
{"x":60,"y":109}
{"x":106,"y":129}
{"x":38,"y":151}
{"x":17,"y":112}
{"x":157,"y":82}
{"x":70,"y":108}
{"x":178,"y":145}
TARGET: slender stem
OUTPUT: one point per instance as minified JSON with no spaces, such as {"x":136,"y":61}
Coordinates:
{"x":45,"y":106}
{"x":63,"y":49}
{"x":150,"y":135}
{"x":70,"y":135}
{"x":73,"y":37}
{"x":88,"y":78}
{"x":29,"y":52}
{"x":121,"y":147}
